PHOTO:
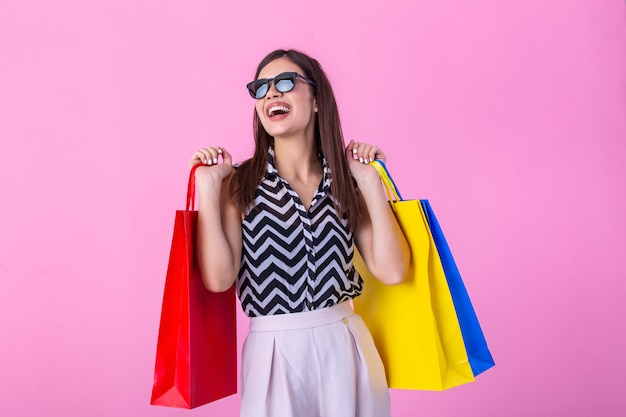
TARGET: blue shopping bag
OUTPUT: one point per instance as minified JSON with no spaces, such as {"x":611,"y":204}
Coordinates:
{"x":477,"y":350}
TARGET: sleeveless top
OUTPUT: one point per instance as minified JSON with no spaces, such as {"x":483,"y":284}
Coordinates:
{"x":294,"y":260}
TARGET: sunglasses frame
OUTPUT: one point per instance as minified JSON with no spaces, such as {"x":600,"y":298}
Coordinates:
{"x":289,"y":75}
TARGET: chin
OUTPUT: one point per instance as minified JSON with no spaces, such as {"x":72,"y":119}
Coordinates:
{"x":278,"y":132}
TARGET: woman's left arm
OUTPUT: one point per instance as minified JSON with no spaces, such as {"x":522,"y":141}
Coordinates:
{"x":378,"y":237}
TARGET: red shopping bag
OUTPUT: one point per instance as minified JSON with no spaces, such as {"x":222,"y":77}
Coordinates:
{"x":196,"y":357}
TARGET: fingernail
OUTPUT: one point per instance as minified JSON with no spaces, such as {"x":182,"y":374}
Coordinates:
{"x":204,"y":161}
{"x":360,"y":159}
{"x":219,"y":150}
{"x":353,"y":150}
{"x":371,"y":160}
{"x":215,"y":160}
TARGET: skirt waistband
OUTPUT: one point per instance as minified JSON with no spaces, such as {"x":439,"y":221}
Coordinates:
{"x":303,"y":320}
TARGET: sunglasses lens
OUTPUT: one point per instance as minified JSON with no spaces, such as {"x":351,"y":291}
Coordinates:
{"x":261,"y":89}
{"x":258,"y":88}
{"x":285,"y":83}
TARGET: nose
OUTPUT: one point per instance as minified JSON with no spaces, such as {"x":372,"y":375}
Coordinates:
{"x":272,"y":91}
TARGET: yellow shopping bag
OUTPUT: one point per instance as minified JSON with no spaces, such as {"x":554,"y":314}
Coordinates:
{"x":414,"y":324}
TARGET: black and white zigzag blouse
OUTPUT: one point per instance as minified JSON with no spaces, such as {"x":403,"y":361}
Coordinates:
{"x":294,"y":260}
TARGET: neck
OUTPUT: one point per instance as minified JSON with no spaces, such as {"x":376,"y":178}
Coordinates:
{"x":296,"y":158}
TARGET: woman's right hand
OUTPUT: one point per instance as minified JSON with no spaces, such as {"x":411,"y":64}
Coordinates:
{"x":210,"y":158}
{"x":218,"y":230}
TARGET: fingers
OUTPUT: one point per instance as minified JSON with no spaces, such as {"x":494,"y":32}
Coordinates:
{"x":209,"y":156}
{"x":349,"y":149}
{"x":226,"y":158}
{"x":364,"y":152}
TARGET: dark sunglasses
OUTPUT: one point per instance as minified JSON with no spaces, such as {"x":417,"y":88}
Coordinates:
{"x":282,"y":82}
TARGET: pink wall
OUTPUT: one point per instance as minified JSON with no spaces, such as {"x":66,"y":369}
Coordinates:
{"x":508,"y":116}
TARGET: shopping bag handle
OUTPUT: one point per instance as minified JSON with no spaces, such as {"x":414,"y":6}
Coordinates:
{"x":393,"y":194}
{"x":191,"y":188}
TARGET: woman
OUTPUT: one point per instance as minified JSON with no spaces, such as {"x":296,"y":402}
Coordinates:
{"x":282,"y":226}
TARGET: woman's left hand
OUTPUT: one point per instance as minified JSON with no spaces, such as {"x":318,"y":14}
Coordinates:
{"x":359,"y":156}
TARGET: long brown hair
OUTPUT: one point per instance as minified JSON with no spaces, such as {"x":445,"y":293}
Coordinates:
{"x":328,"y":139}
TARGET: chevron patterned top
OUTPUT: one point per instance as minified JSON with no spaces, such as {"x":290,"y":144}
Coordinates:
{"x":294,"y":260}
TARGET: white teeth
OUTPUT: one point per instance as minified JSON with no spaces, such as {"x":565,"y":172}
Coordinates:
{"x":273,"y":110}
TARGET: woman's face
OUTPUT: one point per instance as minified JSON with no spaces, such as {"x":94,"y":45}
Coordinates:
{"x":287,"y":114}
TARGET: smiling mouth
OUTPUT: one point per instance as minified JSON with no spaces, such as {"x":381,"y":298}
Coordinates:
{"x":277,"y":110}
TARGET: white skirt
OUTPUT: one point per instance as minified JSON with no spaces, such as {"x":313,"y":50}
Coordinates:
{"x":321,"y":363}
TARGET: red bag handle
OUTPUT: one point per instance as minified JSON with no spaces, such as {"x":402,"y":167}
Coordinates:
{"x":191,"y":187}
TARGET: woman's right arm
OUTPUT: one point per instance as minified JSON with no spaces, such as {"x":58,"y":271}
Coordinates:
{"x":219,"y":220}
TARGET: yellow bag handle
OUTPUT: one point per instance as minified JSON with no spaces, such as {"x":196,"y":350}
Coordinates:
{"x":393,"y":195}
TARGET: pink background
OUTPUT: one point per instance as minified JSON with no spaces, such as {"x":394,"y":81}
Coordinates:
{"x":508,"y":115}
